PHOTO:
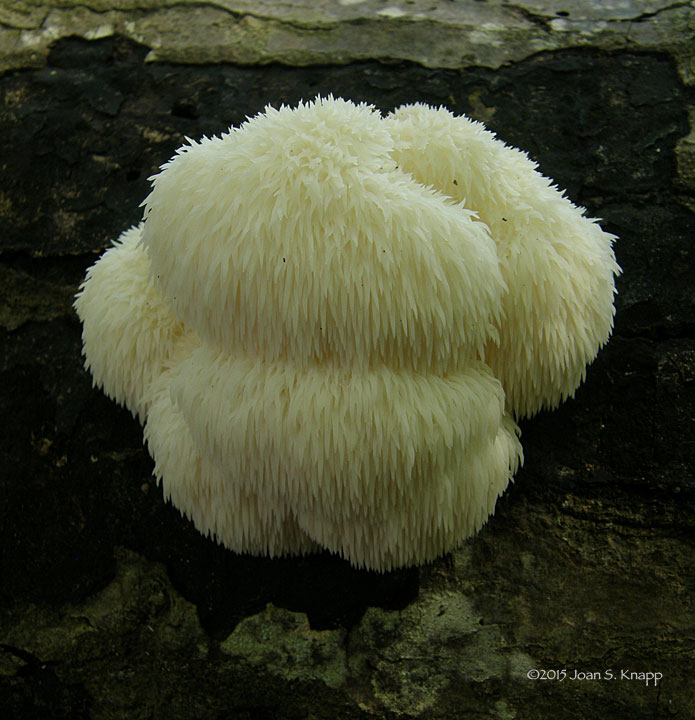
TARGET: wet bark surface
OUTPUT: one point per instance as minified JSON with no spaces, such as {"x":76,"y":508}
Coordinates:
{"x":587,"y":562}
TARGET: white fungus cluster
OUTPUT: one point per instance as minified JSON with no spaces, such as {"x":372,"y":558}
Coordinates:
{"x":329,"y":320}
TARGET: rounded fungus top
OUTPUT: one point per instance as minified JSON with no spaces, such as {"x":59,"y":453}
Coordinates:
{"x":297,"y":238}
{"x":329,"y":319}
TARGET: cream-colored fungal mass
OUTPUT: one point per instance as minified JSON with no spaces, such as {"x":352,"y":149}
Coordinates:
{"x":329,"y":321}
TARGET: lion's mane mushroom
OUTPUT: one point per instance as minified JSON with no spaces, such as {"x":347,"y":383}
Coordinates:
{"x":328,"y":320}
